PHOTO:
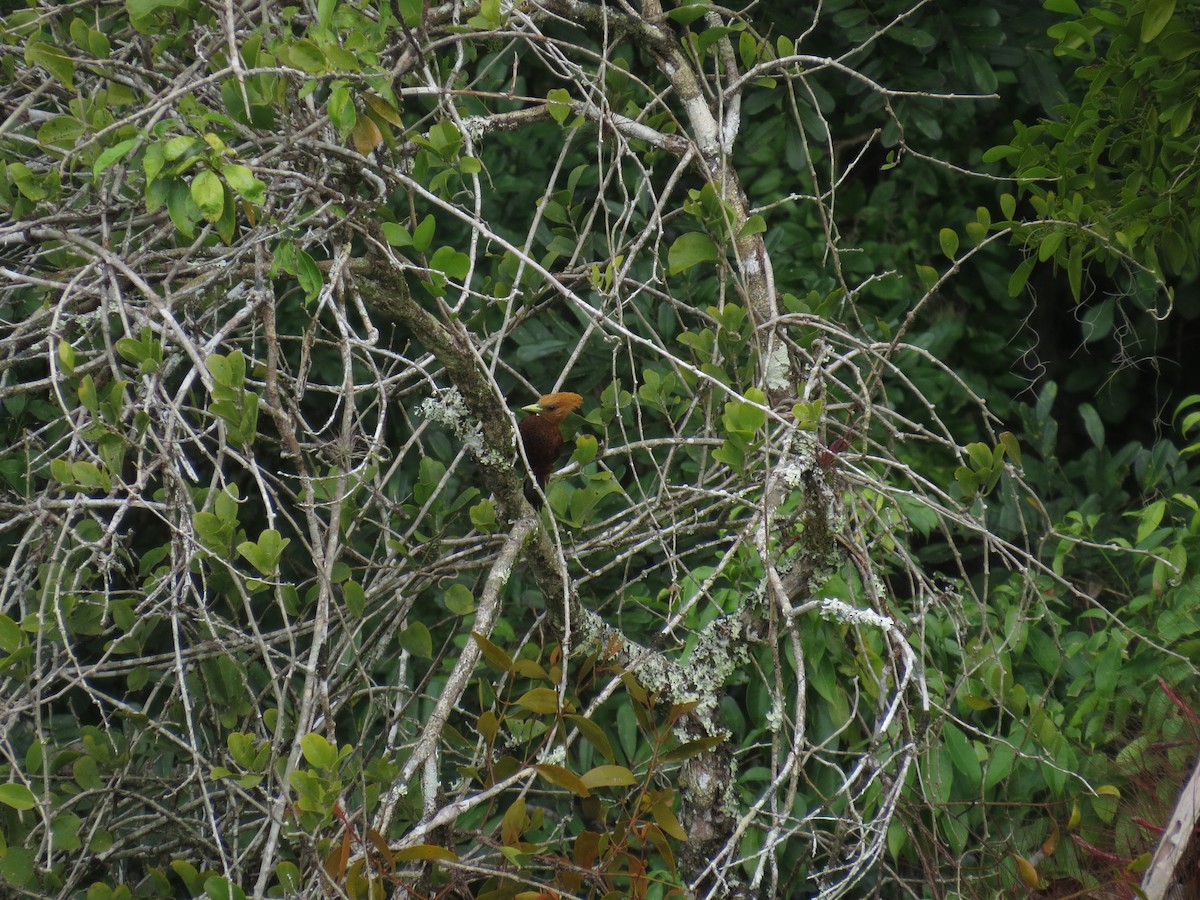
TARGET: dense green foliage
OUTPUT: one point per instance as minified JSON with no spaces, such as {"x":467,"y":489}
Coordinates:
{"x":872,"y":566}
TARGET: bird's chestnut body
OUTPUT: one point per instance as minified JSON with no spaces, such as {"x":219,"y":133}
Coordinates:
{"x":542,"y":437}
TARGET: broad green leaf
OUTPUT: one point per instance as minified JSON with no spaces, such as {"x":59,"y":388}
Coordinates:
{"x":60,"y":132}
{"x":1064,"y":7}
{"x":594,"y":734}
{"x":309,"y":275}
{"x":962,"y":755}
{"x":755,"y":224}
{"x":514,"y":822}
{"x":17,"y":796}
{"x":1020,"y":275}
{"x":306,"y":56}
{"x":1092,"y":423}
{"x":341,"y":109}
{"x":318,"y":751}
{"x":1158,"y":14}
{"x":608,"y":776}
{"x":948,"y":239}
{"x":689,"y":250}
{"x":453,"y":263}
{"x":112,"y":155}
{"x":558,"y":101}
{"x":53,"y":60}
{"x":30,"y":188}
{"x":242,"y":180}
{"x":219,"y":887}
{"x":355,"y":597}
{"x":495,"y":656}
{"x":11,"y":637}
{"x":541,"y":700}
{"x":665,"y":817}
{"x":929,"y":276}
{"x":459,"y":600}
{"x":416,"y":640}
{"x":183,"y":209}
{"x":422,"y":235}
{"x":396,"y":234}
{"x":563,"y":778}
{"x":427,"y":852}
{"x":694,"y":748}
{"x":208,"y":194}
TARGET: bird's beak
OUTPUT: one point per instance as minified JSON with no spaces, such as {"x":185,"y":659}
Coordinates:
{"x":531,"y":408}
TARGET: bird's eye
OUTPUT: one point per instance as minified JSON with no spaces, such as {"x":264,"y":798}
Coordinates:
{"x":551,"y":408}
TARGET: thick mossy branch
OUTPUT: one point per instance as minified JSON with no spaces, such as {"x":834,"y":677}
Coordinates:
{"x":386,"y":290}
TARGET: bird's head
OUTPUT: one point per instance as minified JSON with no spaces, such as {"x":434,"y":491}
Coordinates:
{"x":555,"y":407}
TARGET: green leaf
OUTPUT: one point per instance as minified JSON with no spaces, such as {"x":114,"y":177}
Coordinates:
{"x":541,"y":700}
{"x":559,"y":103}
{"x":1020,"y":275}
{"x":1158,"y":14}
{"x":341,"y":109}
{"x":112,"y":155}
{"x":608,"y":776}
{"x":427,"y":852}
{"x":563,"y":778}
{"x":694,"y":748}
{"x":665,"y":818}
{"x":87,"y":774}
{"x":688,"y":12}
{"x":208,"y":194}
{"x":30,"y":187}
{"x":489,"y":15}
{"x":60,"y":132}
{"x":11,"y":637}
{"x":1096,"y":323}
{"x":53,"y":60}
{"x":417,"y":640}
{"x":962,"y":755}
{"x":1008,"y":440}
{"x":453,"y":263}
{"x":594,"y":734}
{"x":17,"y":796}
{"x":483,"y":516}
{"x":459,"y":600}
{"x":220,"y":888}
{"x":1150,"y":519}
{"x":948,"y":239}
{"x":178,"y":148}
{"x":916,"y":38}
{"x":495,"y":656}
{"x":306,"y":56}
{"x":928,"y":275}
{"x":355,"y":597}
{"x":396,"y":234}
{"x":183,"y":209}
{"x":1050,"y":244}
{"x":1065,"y":7}
{"x":1075,"y":269}
{"x":264,"y":554}
{"x":689,"y":250}
{"x":1092,"y":423}
{"x":318,"y":751}
{"x":309,"y":275}
{"x":423,"y":234}
{"x":64,"y":832}
{"x":242,"y":180}
{"x":755,"y":224}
